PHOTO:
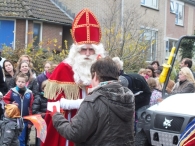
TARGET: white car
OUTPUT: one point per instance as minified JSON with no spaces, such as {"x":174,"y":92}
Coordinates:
{"x":162,"y":124}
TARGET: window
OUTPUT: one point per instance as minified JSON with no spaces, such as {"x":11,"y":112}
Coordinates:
{"x":169,"y":44}
{"x":150,"y":3}
{"x":36,"y":34}
{"x":177,"y":8}
{"x":150,"y":38}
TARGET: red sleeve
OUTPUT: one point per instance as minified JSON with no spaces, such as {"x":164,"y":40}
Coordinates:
{"x":31,"y":103}
{"x":7,"y":97}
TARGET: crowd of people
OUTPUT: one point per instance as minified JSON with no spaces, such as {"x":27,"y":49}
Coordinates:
{"x":23,"y":88}
{"x":184,"y":81}
{"x":99,"y":102}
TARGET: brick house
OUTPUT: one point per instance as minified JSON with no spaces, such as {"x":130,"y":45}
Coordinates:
{"x":43,"y":20}
{"x":173,"y":19}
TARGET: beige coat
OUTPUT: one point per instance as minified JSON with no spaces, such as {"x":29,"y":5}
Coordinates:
{"x":183,"y":87}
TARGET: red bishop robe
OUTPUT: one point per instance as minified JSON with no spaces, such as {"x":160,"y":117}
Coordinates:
{"x":60,"y":84}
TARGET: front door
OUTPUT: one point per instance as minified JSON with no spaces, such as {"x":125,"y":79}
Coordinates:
{"x":6,"y":33}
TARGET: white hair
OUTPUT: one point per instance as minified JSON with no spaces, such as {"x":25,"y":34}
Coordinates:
{"x":118,"y":62}
{"x":74,"y":49}
{"x":81,"y":66}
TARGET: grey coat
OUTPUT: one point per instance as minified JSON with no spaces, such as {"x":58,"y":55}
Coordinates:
{"x":9,"y":132}
{"x":105,"y":118}
{"x":183,"y":87}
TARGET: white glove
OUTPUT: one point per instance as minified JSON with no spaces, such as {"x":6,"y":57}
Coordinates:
{"x":70,"y":104}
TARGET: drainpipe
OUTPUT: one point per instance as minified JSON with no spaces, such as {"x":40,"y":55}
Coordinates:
{"x":26,"y":34}
{"x":165,"y":31}
{"x":122,"y":9}
{"x":122,"y":29}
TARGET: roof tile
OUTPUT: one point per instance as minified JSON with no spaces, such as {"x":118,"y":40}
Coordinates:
{"x":38,"y":9}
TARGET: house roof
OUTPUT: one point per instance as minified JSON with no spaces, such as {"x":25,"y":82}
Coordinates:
{"x":43,"y":10}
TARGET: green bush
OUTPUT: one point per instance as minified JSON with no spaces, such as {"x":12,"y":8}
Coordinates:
{"x":39,"y":56}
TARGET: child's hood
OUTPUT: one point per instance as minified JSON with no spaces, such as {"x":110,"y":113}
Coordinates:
{"x":27,"y":90}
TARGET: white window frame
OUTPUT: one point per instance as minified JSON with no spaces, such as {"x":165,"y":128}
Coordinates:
{"x":41,"y":29}
{"x":177,"y":8}
{"x":152,"y":54}
{"x":169,"y":46}
{"x":150,"y":3}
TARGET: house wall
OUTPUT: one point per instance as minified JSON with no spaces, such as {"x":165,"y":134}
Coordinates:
{"x":101,"y":9}
{"x":176,"y":31}
{"x":163,"y":19}
{"x":153,"y":19}
{"x":20,"y":33}
{"x":50,"y":32}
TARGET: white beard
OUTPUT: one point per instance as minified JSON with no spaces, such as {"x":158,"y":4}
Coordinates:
{"x":80,"y":65}
{"x":81,"y":68}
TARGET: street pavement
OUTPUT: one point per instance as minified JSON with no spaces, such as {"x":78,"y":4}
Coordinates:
{"x":32,"y":136}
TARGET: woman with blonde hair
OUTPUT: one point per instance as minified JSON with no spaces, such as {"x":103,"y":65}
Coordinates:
{"x":27,"y":59}
{"x":186,"y":83}
{"x":143,"y":72}
{"x":31,"y":84}
{"x":156,"y":95}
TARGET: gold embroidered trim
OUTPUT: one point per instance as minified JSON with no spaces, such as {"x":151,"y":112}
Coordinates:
{"x":87,"y":25}
{"x":54,"y":88}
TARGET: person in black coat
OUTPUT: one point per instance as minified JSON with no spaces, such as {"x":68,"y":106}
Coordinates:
{"x":135,"y":83}
{"x":3,"y":85}
{"x":40,"y":106}
{"x":40,"y":102}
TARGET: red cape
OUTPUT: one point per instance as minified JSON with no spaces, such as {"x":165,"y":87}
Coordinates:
{"x":61,"y":77}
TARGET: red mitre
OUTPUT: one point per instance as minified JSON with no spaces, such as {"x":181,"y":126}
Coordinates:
{"x":86,"y":28}
{"x":61,"y":80}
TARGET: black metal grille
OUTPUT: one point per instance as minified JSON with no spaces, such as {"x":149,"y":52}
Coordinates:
{"x":176,"y":122}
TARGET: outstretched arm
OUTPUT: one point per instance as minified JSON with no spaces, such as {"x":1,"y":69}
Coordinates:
{"x":81,"y":126}
{"x":70,"y":104}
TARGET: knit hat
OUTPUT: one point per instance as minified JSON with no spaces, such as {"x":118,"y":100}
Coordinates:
{"x":12,"y":111}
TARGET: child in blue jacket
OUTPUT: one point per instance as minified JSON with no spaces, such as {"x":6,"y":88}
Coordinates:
{"x":23,"y":98}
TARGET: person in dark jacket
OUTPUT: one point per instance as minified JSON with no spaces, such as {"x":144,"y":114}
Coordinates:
{"x":186,"y":83}
{"x":40,"y":102}
{"x":9,"y":127}
{"x":31,"y":84}
{"x":155,"y":64}
{"x":48,"y":69}
{"x":3,"y":85}
{"x":40,"y":106}
{"x":1,"y":106}
{"x":105,"y":116}
{"x":186,"y":62}
{"x":135,"y":83}
{"x":9,"y":71}
{"x":23,"y":98}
